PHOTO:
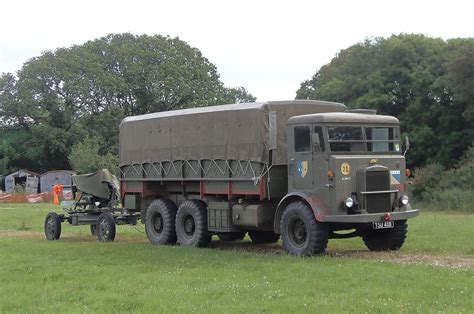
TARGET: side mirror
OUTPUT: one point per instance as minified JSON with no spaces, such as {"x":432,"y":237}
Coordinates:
{"x":407,"y":145}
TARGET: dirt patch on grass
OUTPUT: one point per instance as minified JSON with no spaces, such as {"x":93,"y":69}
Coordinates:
{"x":66,"y":237}
{"x":399,"y":257}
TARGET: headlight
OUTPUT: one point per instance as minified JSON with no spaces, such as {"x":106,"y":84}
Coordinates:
{"x":404,"y":200}
{"x":349,"y":202}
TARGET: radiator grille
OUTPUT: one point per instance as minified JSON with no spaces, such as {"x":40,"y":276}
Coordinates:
{"x":378,"y":181}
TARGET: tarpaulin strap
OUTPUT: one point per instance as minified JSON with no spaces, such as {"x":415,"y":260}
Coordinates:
{"x":256,"y":180}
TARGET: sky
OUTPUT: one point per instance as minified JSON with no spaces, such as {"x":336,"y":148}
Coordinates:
{"x":269,"y":47}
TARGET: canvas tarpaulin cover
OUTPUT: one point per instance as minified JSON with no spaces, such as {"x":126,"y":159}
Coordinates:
{"x":97,"y":183}
{"x":229,"y":132}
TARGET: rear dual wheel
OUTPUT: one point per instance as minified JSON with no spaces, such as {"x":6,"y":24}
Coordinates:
{"x":160,"y":222}
{"x":191,"y":224}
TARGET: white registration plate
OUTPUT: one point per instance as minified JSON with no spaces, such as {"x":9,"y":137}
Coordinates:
{"x":383,"y":224}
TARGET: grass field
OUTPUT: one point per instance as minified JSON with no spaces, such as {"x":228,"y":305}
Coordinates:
{"x":432,"y":273}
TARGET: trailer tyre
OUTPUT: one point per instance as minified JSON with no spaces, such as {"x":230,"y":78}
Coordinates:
{"x":231,"y":236}
{"x":52,"y":226}
{"x":301,"y":233}
{"x":386,"y":239}
{"x":258,"y":236}
{"x":191,"y":224}
{"x":106,"y":227}
{"x":160,"y":222}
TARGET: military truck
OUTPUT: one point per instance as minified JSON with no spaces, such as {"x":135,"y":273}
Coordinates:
{"x":304,"y":170}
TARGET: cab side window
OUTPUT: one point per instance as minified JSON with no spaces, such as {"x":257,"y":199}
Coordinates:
{"x":302,"y":139}
{"x":318,"y":131}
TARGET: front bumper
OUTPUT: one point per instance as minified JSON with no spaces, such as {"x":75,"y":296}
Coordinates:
{"x":367,"y":218}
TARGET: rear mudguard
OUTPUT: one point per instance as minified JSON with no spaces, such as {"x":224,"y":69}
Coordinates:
{"x":318,"y":207}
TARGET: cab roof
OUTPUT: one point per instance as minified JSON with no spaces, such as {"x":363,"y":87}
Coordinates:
{"x":343,"y":118}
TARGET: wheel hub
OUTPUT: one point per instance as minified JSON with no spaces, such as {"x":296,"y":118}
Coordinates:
{"x":158,"y":223}
{"x":189,"y":225}
{"x":104,"y":228}
{"x":50,"y":226}
{"x":298,"y":232}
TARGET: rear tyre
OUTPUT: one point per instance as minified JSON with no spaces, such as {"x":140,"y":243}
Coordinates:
{"x":93,"y":230}
{"x":160,"y":222}
{"x":387,"y":239}
{"x":106,"y":227}
{"x":191,"y":224}
{"x":301,"y":233}
{"x":258,"y":236}
{"x":231,"y":236}
{"x":52,"y":226}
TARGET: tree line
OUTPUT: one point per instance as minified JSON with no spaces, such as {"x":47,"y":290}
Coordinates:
{"x":428,"y":83}
{"x":62,"y":109}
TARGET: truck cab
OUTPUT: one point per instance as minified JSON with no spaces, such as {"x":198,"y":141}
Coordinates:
{"x":349,"y":170}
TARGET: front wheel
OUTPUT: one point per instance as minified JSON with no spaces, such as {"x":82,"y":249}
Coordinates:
{"x":386,"y":239}
{"x":301,"y":233}
{"x":105,"y":227}
{"x":52,"y":226}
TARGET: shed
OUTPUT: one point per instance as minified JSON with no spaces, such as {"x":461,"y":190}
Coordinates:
{"x":50,"y":178}
{"x":27,"y":179}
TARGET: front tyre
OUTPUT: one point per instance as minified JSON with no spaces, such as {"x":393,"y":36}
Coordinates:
{"x":52,"y":226}
{"x":191,"y":224}
{"x":387,"y":239}
{"x":160,"y":222}
{"x":105,"y":227}
{"x":301,"y":233}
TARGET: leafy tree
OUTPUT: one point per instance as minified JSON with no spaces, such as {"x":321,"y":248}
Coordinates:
{"x":62,"y":97}
{"x":461,"y":73}
{"x":85,"y":157}
{"x":405,"y":76}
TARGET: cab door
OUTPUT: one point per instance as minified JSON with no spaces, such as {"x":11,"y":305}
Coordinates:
{"x":300,"y":158}
{"x":320,"y":164}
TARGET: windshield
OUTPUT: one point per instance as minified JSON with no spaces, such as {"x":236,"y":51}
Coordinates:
{"x":363,"y":139}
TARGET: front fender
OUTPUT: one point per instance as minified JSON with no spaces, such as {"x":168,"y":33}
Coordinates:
{"x":318,"y":207}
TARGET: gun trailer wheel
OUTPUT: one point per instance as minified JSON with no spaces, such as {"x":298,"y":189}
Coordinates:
{"x":301,"y":233}
{"x":52,"y":226}
{"x":105,"y":227}
{"x":160,"y":222}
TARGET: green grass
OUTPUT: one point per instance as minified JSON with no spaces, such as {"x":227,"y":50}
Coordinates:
{"x":77,"y":274}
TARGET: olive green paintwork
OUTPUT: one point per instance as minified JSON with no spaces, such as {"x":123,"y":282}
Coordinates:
{"x":308,"y":171}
